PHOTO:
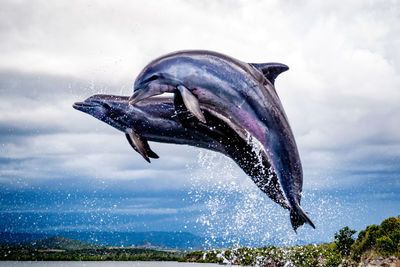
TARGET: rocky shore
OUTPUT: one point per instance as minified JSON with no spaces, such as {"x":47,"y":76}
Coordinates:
{"x":380,"y":261}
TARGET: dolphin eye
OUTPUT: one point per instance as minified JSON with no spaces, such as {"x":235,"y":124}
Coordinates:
{"x":106,"y":106}
{"x":152,"y":78}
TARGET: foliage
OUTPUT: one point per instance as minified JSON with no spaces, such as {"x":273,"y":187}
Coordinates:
{"x":344,"y":239}
{"x":386,"y":246}
{"x":310,"y":255}
{"x":383,"y":239}
{"x":333,"y":259}
{"x":102,"y":254}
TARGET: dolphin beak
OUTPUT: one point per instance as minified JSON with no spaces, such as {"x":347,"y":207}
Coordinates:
{"x":76,"y":105}
{"x":86,"y":105}
{"x":136,"y":97}
{"x":82,"y":106}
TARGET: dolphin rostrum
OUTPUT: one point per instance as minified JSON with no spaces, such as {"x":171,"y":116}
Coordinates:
{"x":238,"y":93}
{"x":155,"y":119}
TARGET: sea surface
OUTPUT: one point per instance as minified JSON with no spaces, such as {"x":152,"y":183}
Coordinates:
{"x":103,"y":264}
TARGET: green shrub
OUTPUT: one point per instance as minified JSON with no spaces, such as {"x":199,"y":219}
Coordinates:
{"x":389,"y":226}
{"x":344,"y":239}
{"x":304,"y":256}
{"x":383,"y":239}
{"x":386,"y":246}
{"x":366,"y":241}
{"x":333,"y":259}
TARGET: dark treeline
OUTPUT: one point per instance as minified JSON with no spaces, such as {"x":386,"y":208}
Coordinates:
{"x":100,"y":254}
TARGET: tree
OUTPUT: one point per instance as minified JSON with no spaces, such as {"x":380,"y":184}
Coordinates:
{"x":344,"y":239}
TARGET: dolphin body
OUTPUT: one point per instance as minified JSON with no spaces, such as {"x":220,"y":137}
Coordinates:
{"x":240,"y":94}
{"x":155,"y":119}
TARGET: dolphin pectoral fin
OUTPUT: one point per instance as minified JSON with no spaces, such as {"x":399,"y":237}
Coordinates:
{"x":140,"y":145}
{"x":136,"y":143}
{"x":298,"y":217}
{"x":191,"y":103}
{"x":270,"y":70}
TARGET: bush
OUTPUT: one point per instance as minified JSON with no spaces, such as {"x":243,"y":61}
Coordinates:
{"x":386,"y":246}
{"x":304,"y":256}
{"x":383,"y":238}
{"x":389,"y":225}
{"x":333,"y":259}
{"x":344,"y":239}
{"x":365,"y":241}
{"x":391,"y":228}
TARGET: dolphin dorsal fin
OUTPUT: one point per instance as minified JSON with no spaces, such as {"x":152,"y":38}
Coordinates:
{"x":140,"y":144}
{"x":270,"y":70}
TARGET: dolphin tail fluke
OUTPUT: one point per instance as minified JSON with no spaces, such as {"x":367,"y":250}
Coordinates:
{"x":298,"y":217}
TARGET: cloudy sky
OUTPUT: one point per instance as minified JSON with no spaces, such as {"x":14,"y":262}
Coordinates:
{"x":63,"y":170}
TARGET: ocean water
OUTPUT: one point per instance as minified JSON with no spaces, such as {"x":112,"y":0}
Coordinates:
{"x":102,"y":264}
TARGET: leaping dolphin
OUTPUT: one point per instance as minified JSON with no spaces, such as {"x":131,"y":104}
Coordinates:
{"x":150,"y":120}
{"x":238,"y":93}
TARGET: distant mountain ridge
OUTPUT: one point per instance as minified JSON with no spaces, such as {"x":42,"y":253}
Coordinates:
{"x":55,"y":242}
{"x":177,"y":240}
{"x":7,"y":237}
{"x":173,"y":240}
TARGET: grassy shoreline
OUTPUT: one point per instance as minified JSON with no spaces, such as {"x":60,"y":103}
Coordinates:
{"x":378,"y":242}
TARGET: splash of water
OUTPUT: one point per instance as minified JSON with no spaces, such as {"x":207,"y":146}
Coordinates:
{"x":235,"y":212}
{"x":232,"y":204}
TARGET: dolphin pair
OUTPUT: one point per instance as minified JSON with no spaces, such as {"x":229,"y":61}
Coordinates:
{"x":243,"y":97}
{"x":155,"y":119}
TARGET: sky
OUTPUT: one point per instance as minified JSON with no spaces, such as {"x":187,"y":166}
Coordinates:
{"x":62,"y":170}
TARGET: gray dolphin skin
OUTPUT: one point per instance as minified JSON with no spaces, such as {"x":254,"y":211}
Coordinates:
{"x":155,"y":119}
{"x":240,"y":94}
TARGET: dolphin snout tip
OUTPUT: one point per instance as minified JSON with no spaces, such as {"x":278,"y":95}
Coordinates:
{"x":132,"y":100}
{"x":135,"y":97}
{"x":76,"y":105}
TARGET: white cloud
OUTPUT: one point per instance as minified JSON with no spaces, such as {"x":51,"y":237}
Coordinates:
{"x":341,"y":93}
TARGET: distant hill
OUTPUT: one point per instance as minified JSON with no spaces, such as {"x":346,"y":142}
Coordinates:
{"x":175,"y":240}
{"x":172,"y":240}
{"x":54,"y":242}
{"x":6,"y":237}
{"x":57,"y":242}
